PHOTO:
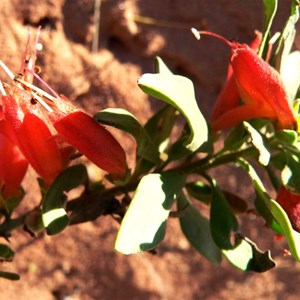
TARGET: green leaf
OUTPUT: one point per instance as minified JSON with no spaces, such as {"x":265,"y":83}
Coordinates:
{"x":258,"y":143}
{"x":199,"y":191}
{"x":161,"y":67}
{"x":270,"y":8}
{"x":196,"y":228}
{"x":223,"y":222}
{"x":290,"y":175}
{"x":247,"y":257}
{"x":144,"y":224}
{"x":6,"y":253}
{"x":290,"y":73}
{"x":8,"y":205}
{"x":178,"y":91}
{"x":286,"y":136}
{"x":275,"y":209}
{"x":236,"y":203}
{"x":54,"y":216}
{"x":274,"y":178}
{"x":9,"y":275}
{"x":122,"y":119}
{"x":292,"y":236}
{"x":160,"y":126}
{"x":287,"y":37}
{"x":278,"y":160}
{"x":203,"y":193}
{"x":263,"y":209}
{"x":236,"y":138}
{"x":178,"y":150}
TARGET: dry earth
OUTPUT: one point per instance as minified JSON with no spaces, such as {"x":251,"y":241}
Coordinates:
{"x":80,"y":263}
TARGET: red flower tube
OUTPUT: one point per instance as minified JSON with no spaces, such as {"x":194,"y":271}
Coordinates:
{"x":33,"y":135}
{"x":229,"y":97}
{"x":290,"y":202}
{"x":260,"y":87}
{"x":89,"y":137}
{"x":13,"y":165}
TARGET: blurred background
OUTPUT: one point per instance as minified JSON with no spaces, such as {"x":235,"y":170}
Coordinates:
{"x":94,"y":57}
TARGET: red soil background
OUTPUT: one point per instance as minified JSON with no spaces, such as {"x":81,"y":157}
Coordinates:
{"x":80,"y":263}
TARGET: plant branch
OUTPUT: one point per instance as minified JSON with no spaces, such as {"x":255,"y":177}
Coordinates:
{"x":91,"y":205}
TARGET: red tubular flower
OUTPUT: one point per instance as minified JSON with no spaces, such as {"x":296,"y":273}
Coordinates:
{"x":290,"y":202}
{"x":229,"y":97}
{"x":13,"y":165}
{"x":32,"y":135}
{"x":260,"y":87}
{"x":89,"y":137}
{"x":35,"y":118}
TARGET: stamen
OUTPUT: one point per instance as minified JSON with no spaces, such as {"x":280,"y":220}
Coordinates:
{"x":2,"y":90}
{"x":44,"y":83}
{"x":29,"y":60}
{"x":7,"y":70}
{"x":35,"y":88}
{"x":42,"y":102}
{"x":37,"y":36}
{"x":25,"y":61}
{"x":271,"y":42}
{"x":198,"y":33}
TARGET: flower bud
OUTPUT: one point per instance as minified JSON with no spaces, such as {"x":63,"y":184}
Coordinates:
{"x":89,"y":137}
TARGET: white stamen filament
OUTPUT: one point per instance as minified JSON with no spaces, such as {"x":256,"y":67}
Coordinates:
{"x":42,"y":102}
{"x":44,"y":83}
{"x":26,"y":52}
{"x":7,"y":70}
{"x":274,"y":38}
{"x":34,"y":56}
{"x":35,"y":88}
{"x":2,"y":90}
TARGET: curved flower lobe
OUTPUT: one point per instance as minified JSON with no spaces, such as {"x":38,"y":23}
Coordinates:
{"x":260,"y":87}
{"x":229,"y":97}
{"x":33,"y":137}
{"x":13,"y":165}
{"x":92,"y":139}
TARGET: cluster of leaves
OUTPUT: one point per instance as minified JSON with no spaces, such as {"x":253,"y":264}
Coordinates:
{"x":142,"y":202}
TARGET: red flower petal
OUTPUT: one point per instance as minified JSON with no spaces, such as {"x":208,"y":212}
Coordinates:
{"x":13,"y":167}
{"x":92,"y":139}
{"x":260,"y":85}
{"x":33,"y":138}
{"x":229,"y":97}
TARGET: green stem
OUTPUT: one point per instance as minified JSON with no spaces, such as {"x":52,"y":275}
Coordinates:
{"x":12,"y":224}
{"x":204,"y":165}
{"x":90,"y":206}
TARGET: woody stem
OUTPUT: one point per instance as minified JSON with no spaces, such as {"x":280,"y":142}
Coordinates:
{"x":90,"y":206}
